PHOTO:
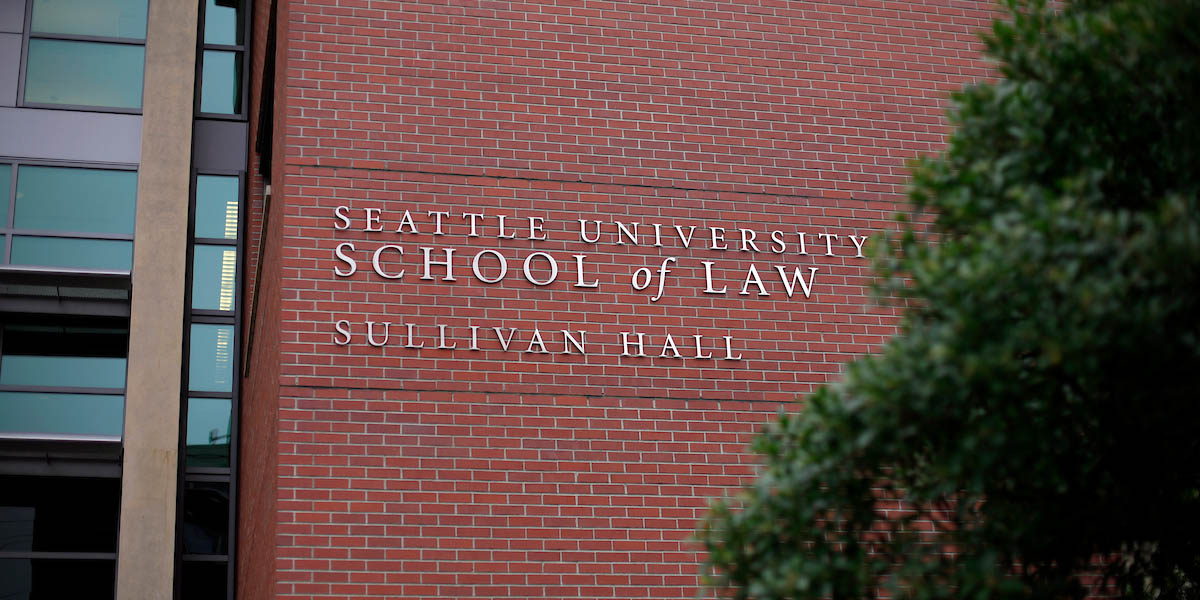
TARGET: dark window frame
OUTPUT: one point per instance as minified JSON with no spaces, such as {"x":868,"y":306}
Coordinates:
{"x":232,"y":318}
{"x":242,"y":53}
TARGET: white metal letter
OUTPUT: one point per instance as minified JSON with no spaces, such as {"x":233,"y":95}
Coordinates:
{"x":579,"y":273}
{"x":790,"y":285}
{"x":752,"y":277}
{"x":625,"y":344}
{"x":340,"y":213}
{"x":708,"y":278}
{"x":373,"y":219}
{"x":371,"y":333}
{"x":342,"y":327}
{"x":340,"y":253}
{"x":479,"y":273}
{"x":529,"y":272}
{"x":379,"y":268}
{"x":448,"y":263}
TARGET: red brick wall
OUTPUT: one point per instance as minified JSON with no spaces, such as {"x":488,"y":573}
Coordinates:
{"x":438,"y":473}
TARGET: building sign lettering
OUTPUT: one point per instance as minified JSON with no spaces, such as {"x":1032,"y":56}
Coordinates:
{"x":389,"y":260}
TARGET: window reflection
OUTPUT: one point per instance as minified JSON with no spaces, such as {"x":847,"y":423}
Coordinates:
{"x":209,"y":422}
{"x":216,"y":207}
{"x":210,"y":366}
{"x":214,"y":273}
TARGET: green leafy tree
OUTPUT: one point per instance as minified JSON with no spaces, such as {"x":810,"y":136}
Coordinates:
{"x":1038,"y":416}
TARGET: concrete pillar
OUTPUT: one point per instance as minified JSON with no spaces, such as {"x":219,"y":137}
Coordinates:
{"x":146,"y":547}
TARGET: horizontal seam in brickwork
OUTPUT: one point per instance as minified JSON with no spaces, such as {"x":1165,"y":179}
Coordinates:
{"x":523,"y":394}
{"x":594,"y":183}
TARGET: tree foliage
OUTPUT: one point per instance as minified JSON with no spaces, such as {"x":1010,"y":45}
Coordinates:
{"x":1038,"y":417}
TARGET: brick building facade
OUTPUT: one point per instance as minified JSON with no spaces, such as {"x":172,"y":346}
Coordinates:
{"x":524,"y":278}
{"x":471,"y":299}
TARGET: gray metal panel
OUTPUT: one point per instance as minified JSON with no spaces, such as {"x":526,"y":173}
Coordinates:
{"x":10,"y":67}
{"x":12,"y":15}
{"x":70,"y":135}
{"x":220,"y":145}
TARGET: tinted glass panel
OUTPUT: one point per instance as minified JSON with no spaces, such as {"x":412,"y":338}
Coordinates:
{"x":64,"y":356}
{"x":216,"y":206}
{"x":205,"y":517}
{"x":90,"y":200}
{"x":221,"y":85}
{"x":208,"y":425}
{"x":84,"y":73}
{"x":45,"y":514}
{"x":223,"y":22}
{"x":45,"y":578}
{"x":77,"y":253}
{"x":106,"y":18}
{"x":5,"y":186}
{"x":210,"y":366}
{"x":214,"y":270}
{"x":74,"y":414}
{"x":203,"y":580}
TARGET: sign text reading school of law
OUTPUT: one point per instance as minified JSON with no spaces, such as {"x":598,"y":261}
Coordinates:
{"x":387,"y":261}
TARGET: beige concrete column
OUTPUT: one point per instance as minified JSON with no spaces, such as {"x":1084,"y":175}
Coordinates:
{"x":146,"y":550}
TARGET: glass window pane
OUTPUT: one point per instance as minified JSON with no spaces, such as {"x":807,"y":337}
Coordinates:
{"x":88,"y":200}
{"x":223,"y":22}
{"x":44,"y":514}
{"x":214,"y":270}
{"x":208,"y":426}
{"x":210,"y":366}
{"x":5,"y":185}
{"x":54,"y":355}
{"x":84,"y":73}
{"x":205,"y":517}
{"x":74,"y":371}
{"x":57,"y":578}
{"x":221,"y":84}
{"x":76,"y":414}
{"x":203,"y":580}
{"x":79,"y":253}
{"x":106,"y":18}
{"x":216,"y":206}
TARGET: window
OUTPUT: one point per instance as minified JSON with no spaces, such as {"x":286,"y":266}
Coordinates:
{"x":210,"y":363}
{"x":69,"y":217}
{"x":209,"y":423}
{"x":52,"y":545}
{"x":214,"y":256}
{"x":63,"y":378}
{"x":222,"y":58}
{"x":85,"y":54}
{"x":210,"y":401}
